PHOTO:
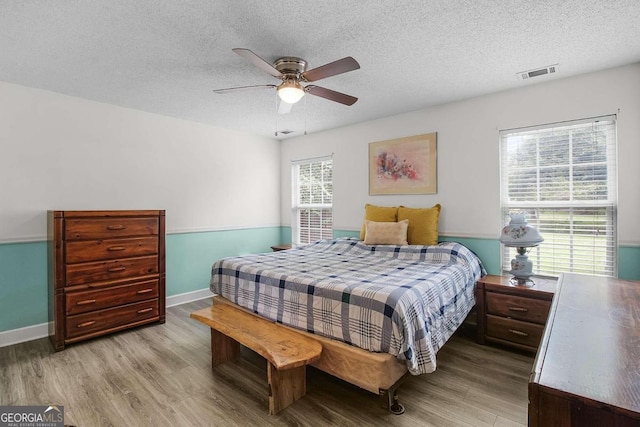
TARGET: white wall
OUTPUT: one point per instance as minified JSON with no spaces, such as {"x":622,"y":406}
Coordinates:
{"x":61,"y":152}
{"x":468,"y":150}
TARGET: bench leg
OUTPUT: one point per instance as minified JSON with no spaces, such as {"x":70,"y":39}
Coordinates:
{"x":285,"y":387}
{"x":223,"y":348}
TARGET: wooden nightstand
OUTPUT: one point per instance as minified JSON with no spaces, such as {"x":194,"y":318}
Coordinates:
{"x":282,"y":247}
{"x":513,"y":315}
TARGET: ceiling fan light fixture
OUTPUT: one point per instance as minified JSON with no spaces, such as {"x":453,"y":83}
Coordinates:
{"x":291,"y":70}
{"x":290,"y":91}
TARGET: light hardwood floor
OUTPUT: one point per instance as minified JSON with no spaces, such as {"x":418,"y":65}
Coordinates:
{"x":160,"y":375}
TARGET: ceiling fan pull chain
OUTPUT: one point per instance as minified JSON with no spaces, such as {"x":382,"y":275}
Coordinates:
{"x":276,"y":131}
{"x":305,"y":115}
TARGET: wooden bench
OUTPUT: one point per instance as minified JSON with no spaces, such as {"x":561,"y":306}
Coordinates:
{"x":287,"y":352}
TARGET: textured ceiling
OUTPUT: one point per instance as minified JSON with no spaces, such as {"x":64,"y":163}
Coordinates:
{"x":166,"y":56}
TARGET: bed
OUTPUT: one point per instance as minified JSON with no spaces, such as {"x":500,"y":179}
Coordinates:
{"x":380,"y":311}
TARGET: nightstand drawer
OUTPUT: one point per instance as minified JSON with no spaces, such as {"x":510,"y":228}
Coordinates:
{"x":515,"y":331}
{"x":520,"y":308}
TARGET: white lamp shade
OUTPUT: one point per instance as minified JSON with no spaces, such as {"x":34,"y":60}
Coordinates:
{"x":520,"y":234}
{"x":290,"y":91}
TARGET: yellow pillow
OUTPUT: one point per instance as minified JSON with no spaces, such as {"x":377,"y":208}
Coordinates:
{"x":423,"y":224}
{"x":378,"y":214}
{"x":386,"y":233}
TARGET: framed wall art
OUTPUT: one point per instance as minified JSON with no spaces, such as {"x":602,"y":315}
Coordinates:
{"x":403,"y":165}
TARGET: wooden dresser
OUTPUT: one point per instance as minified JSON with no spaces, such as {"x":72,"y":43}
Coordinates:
{"x":513,"y":315}
{"x":106,"y":272}
{"x":587,"y":370}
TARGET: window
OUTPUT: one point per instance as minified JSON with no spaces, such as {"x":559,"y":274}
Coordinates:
{"x":312,"y":216}
{"x":564,"y":177}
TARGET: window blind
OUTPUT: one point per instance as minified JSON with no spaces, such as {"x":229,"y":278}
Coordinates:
{"x":312,"y":207}
{"x":564,"y":177}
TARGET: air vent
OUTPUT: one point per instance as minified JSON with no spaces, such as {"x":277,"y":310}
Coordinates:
{"x":525,"y":75}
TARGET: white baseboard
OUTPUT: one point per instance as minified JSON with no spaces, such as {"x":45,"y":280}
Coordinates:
{"x":189,"y":297}
{"x":30,"y":333}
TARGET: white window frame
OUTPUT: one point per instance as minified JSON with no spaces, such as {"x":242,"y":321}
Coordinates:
{"x":297,"y":207}
{"x":564,"y":249}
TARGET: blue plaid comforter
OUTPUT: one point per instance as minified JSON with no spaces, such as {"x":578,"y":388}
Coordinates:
{"x":402,"y":300}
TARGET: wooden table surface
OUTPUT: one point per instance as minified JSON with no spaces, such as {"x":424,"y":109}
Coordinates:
{"x":593,"y":346}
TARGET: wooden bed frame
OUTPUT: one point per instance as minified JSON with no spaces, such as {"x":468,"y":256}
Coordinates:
{"x":379,"y":373}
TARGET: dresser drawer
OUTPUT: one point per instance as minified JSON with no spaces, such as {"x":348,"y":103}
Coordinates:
{"x":89,"y":272}
{"x":520,"y":308}
{"x":94,"y":250}
{"x":84,"y":324}
{"x":107,"y":228}
{"x":515,"y":331}
{"x":82,"y":302}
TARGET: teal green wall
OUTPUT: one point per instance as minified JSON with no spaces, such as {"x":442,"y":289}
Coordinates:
{"x":285,"y":234}
{"x":23,"y":266}
{"x":23,"y":285}
{"x":344,"y":233}
{"x":488,"y":250}
{"x":629,"y":262}
{"x":189,"y":257}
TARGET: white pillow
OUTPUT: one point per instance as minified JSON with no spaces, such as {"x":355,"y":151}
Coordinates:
{"x":386,"y":233}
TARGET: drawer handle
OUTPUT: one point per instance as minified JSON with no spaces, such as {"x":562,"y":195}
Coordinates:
{"x":114,"y":269}
{"x":145,"y":310}
{"x":85,"y":302}
{"x":519,"y":309}
{"x":85,"y":324}
{"x":517,"y":332}
{"x":145,"y":291}
{"x":116,"y":227}
{"x":116,"y":248}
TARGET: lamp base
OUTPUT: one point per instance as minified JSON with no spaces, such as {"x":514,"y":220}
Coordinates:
{"x":521,"y":269}
{"x":522,"y":282}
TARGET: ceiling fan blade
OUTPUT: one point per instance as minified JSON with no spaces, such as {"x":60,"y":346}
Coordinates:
{"x":242,"y":88}
{"x":257,"y":61}
{"x":333,"y":68}
{"x":331,"y":95}
{"x":284,"y":107}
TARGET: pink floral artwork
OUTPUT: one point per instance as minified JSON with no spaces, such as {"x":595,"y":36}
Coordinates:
{"x":391,"y":166}
{"x":403,"y":165}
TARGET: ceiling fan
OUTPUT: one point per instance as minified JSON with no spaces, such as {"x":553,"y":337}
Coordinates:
{"x":292,"y":71}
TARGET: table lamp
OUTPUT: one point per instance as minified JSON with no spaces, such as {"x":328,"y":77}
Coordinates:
{"x":520,"y":235}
